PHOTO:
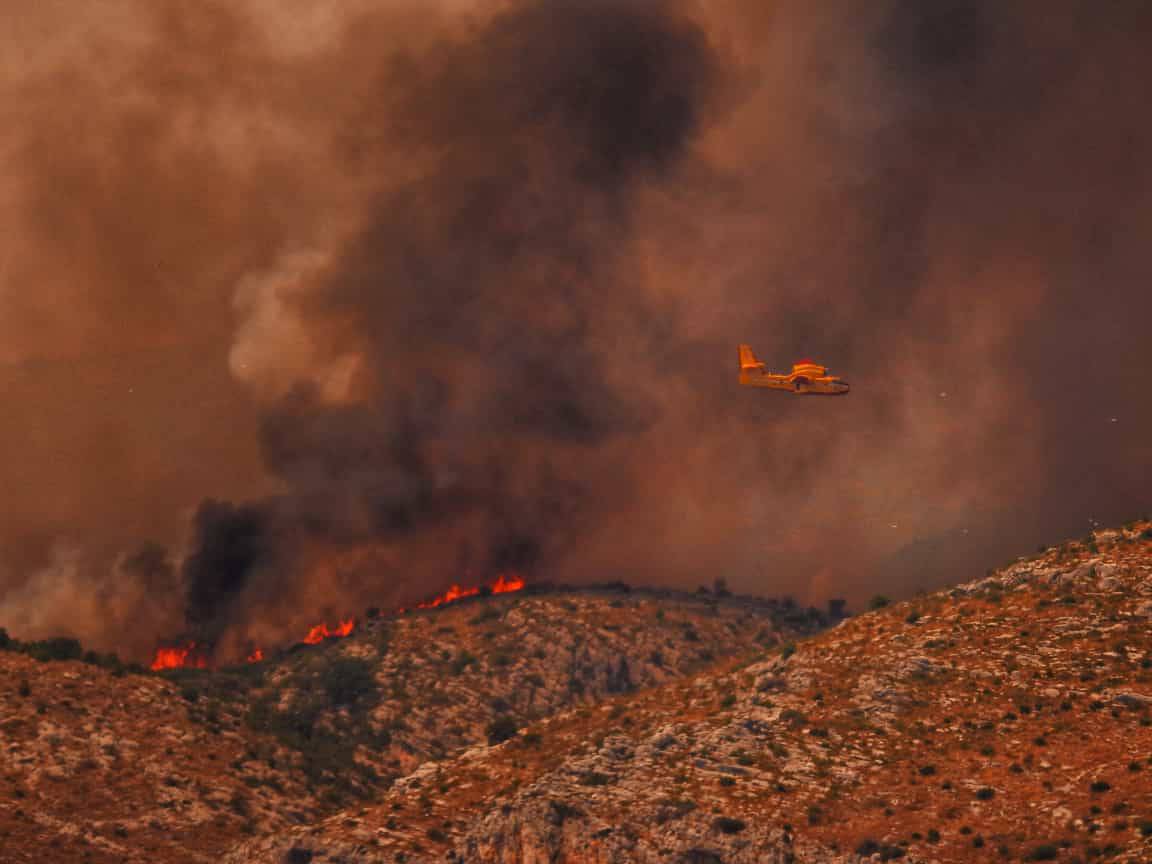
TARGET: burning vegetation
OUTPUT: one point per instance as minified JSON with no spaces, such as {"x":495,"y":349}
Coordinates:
{"x":197,"y":655}
{"x":500,"y":585}
{"x":320,"y":632}
{"x":189,"y":656}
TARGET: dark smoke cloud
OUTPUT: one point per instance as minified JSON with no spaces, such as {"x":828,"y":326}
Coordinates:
{"x":472,"y":298}
{"x":411,"y":295}
{"x":231,"y":542}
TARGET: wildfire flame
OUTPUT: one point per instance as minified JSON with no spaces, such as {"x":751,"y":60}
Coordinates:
{"x":501,"y":585}
{"x":507,"y":585}
{"x":321,"y":632}
{"x":184,"y":657}
{"x":193,"y":656}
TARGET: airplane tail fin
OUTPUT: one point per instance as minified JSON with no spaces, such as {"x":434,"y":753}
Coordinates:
{"x":748,"y":359}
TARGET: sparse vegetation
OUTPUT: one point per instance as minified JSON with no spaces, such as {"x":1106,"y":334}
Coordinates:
{"x":846,"y":711}
{"x":311,"y":720}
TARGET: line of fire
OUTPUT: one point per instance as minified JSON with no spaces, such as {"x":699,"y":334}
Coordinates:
{"x":195,"y":655}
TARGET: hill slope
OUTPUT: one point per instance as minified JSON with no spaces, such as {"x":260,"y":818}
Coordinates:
{"x":1009,"y":718}
{"x":103,"y":766}
{"x":98,"y":767}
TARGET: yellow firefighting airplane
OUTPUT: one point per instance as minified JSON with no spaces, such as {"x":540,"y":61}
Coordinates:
{"x":805,"y":377}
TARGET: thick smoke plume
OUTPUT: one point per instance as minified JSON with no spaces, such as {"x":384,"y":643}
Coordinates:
{"x":345,"y":304}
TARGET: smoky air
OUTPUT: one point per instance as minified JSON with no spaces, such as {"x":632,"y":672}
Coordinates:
{"x":300,"y":319}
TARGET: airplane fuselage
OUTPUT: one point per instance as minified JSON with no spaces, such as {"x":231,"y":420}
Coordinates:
{"x":822,"y":386}
{"x":806,"y":377}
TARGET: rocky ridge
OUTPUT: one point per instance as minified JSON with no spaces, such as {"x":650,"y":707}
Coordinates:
{"x":1009,"y":718}
{"x":99,"y":767}
{"x":102,"y":765}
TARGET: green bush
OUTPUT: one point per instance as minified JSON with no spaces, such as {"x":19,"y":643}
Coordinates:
{"x":351,"y":681}
{"x":65,"y":648}
{"x":878,"y":602}
{"x":57,"y":648}
{"x":728,"y":825}
{"x":887,"y":852}
{"x":595,"y":778}
{"x":463,"y":660}
{"x":489,"y":614}
{"x":793,"y":717}
{"x":501,"y":729}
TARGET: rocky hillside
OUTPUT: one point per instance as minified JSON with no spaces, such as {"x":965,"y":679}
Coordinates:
{"x":100,"y":764}
{"x":101,"y":767}
{"x":1009,"y":718}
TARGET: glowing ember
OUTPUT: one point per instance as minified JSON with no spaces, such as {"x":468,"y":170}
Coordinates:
{"x":185,"y":657}
{"x":321,"y":632}
{"x":255,"y":657}
{"x":501,"y":585}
